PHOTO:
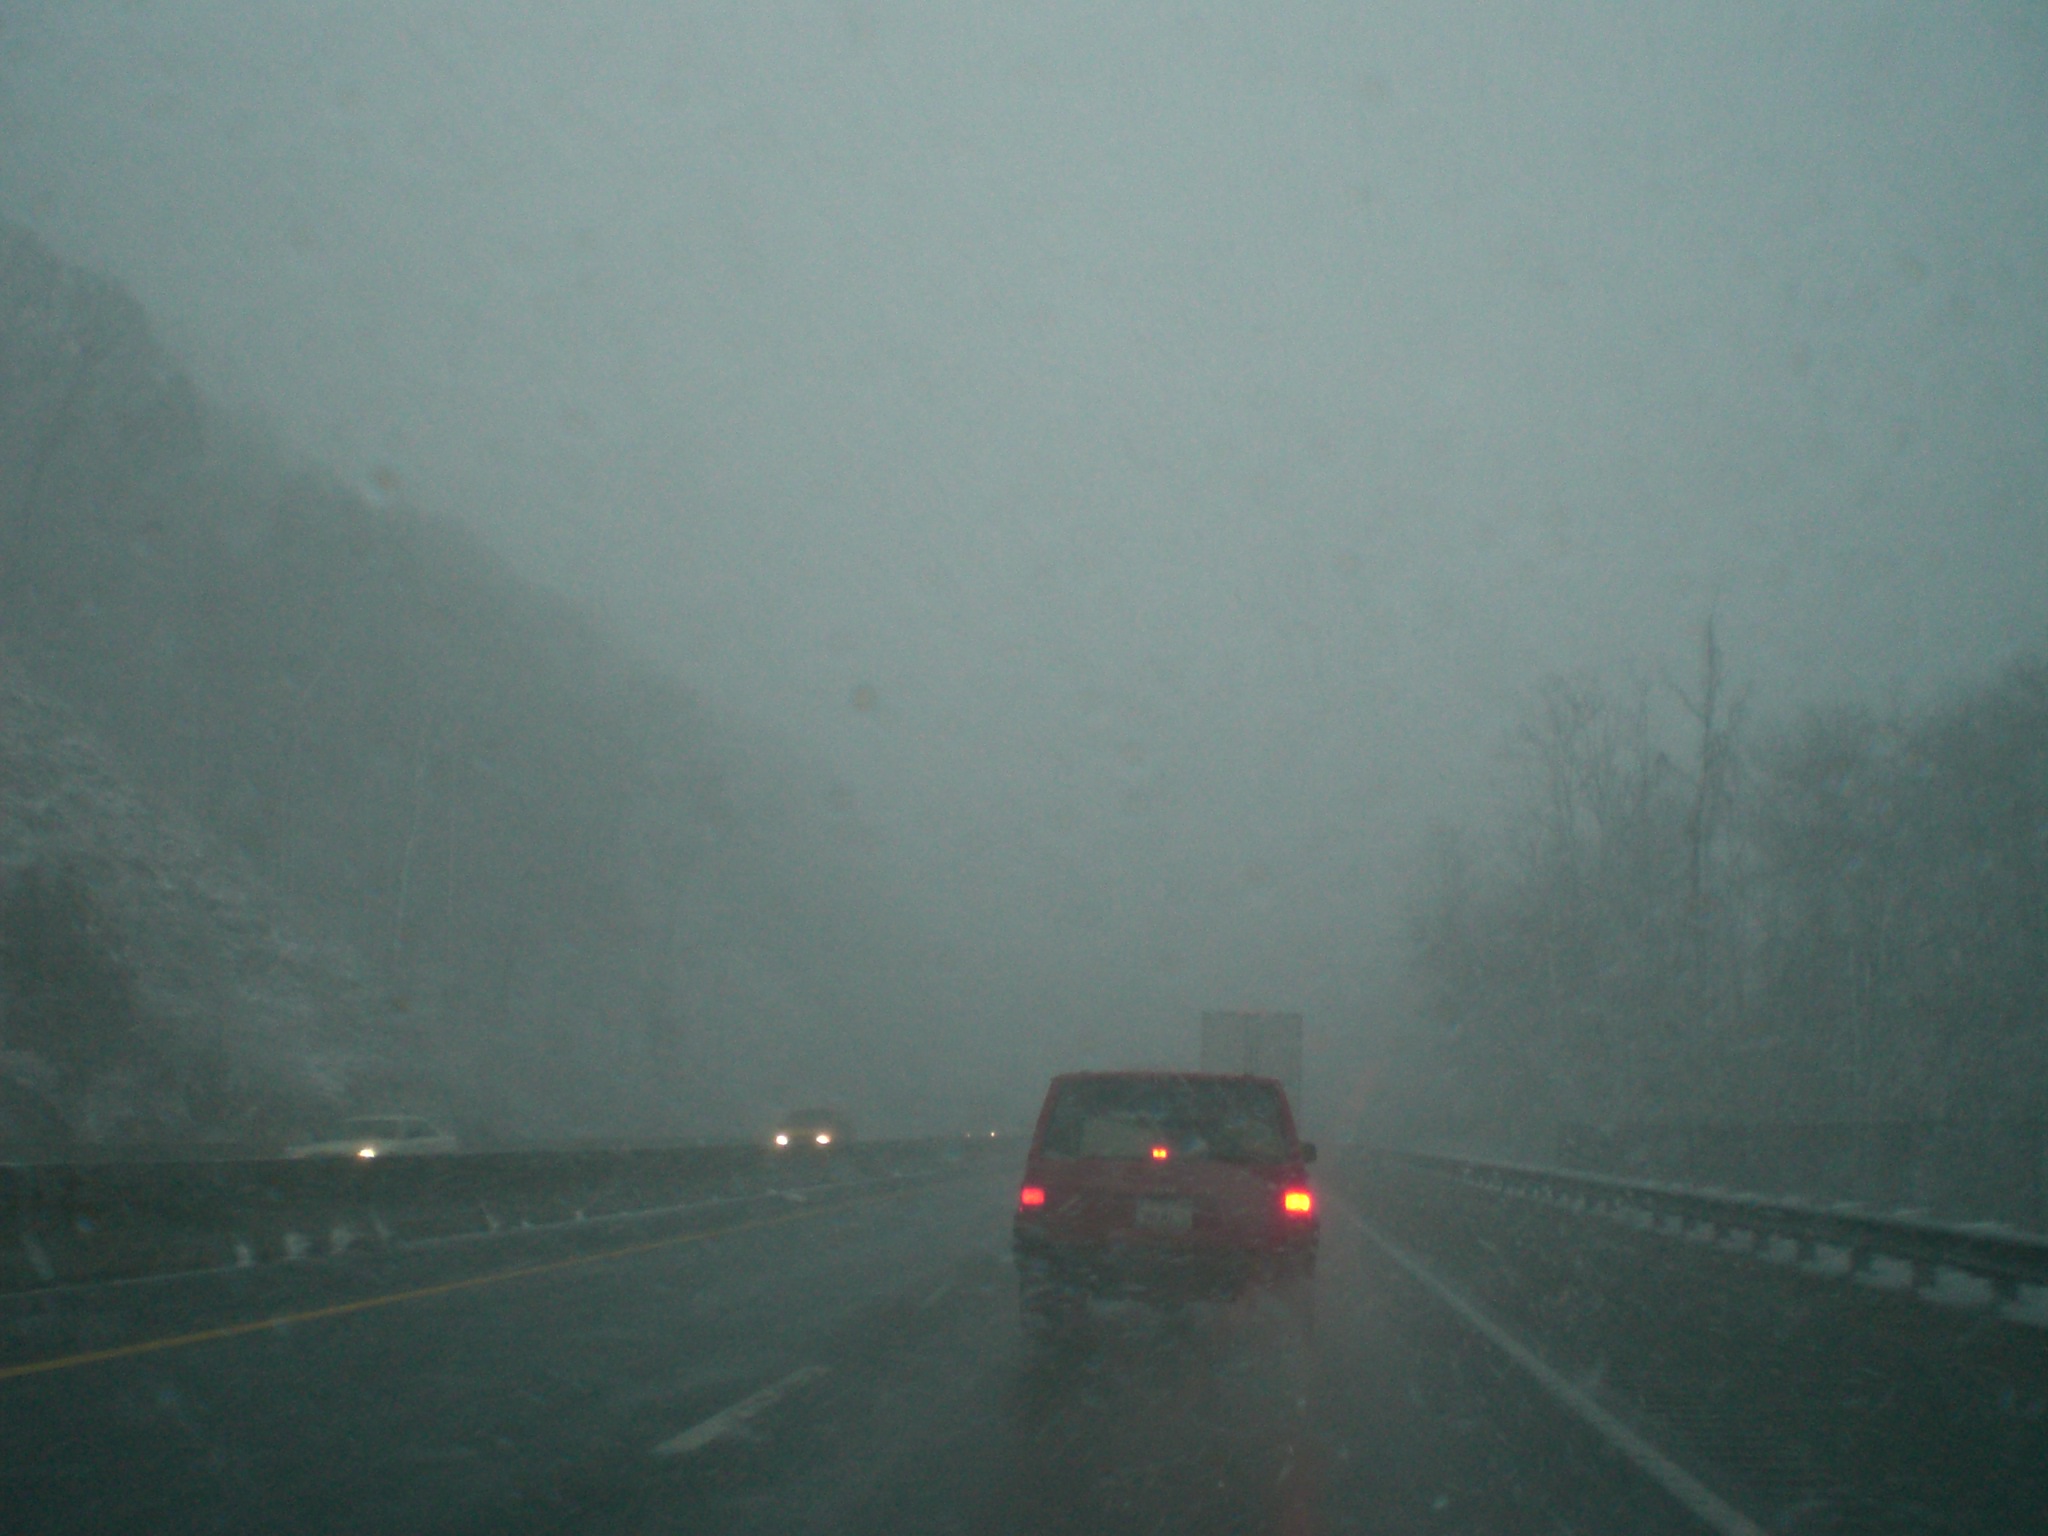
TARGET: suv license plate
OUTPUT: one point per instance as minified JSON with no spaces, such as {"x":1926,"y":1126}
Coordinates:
{"x":1166,"y":1215}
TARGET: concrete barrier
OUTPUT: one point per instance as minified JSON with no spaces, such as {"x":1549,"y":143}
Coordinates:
{"x":66,"y":1224}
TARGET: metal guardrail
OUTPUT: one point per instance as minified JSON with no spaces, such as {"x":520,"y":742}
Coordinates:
{"x":66,"y":1224}
{"x":1898,"y":1251}
{"x":1955,"y":1171}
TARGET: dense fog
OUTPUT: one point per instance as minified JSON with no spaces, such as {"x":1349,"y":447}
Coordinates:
{"x":987,"y":532}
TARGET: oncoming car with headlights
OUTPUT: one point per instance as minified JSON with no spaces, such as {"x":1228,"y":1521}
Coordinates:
{"x":372,"y":1136}
{"x":812,"y":1128}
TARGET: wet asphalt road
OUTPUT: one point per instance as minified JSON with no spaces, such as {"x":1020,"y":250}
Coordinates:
{"x":845,"y":1365}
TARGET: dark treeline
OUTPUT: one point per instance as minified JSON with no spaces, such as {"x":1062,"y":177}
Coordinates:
{"x":498,"y":852}
{"x":1684,"y":918}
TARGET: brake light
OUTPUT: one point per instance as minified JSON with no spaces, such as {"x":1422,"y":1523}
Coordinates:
{"x":1031,"y":1194}
{"x":1159,"y":1154}
{"x":1299,"y":1202}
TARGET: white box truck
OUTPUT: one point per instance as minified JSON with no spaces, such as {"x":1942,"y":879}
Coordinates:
{"x":1262,"y":1044}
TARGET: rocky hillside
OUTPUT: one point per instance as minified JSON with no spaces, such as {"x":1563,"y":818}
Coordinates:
{"x":150,"y":989}
{"x":309,"y":799}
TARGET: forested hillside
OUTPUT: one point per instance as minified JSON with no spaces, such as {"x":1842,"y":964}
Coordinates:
{"x":312,"y":804}
{"x":1683,"y":916}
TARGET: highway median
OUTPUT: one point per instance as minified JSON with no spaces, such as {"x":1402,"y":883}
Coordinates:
{"x":74,"y":1224}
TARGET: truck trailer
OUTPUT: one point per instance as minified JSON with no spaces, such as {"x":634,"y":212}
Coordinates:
{"x":1261,"y":1044}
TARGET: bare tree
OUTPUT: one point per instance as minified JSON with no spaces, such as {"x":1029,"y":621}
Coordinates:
{"x":1714,"y":966}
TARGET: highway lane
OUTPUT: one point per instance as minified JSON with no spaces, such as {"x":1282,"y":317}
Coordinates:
{"x":847,"y":1368}
{"x":1816,"y":1402}
{"x":403,"y":1416}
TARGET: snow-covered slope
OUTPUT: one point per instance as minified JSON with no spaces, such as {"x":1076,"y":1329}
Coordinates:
{"x":309,"y":797}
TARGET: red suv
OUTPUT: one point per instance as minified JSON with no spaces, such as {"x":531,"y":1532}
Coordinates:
{"x":1162,"y":1184}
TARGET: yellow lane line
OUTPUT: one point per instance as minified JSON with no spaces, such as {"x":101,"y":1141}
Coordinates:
{"x":446,"y":1287}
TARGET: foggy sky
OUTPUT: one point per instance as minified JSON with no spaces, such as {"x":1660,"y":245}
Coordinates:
{"x":1197,"y":425}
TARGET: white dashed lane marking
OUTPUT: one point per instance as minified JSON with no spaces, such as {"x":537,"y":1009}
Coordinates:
{"x":727,"y":1420}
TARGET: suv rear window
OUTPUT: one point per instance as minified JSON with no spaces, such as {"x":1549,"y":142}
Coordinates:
{"x":1222,"y":1119}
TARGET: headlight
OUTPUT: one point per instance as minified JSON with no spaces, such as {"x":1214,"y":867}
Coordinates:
{"x":824,"y":1138}
{"x":781,"y":1139}
{"x":366,"y":1152}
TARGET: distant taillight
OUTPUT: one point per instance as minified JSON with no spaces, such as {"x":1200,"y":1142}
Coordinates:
{"x":1299,"y":1202}
{"x":1159,"y":1154}
{"x":1031,"y":1194}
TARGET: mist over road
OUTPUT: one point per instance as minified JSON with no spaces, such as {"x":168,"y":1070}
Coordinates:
{"x":1141,"y":460}
{"x":594,"y":576}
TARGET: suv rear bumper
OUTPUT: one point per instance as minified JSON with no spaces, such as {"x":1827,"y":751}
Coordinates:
{"x":1049,"y":1269}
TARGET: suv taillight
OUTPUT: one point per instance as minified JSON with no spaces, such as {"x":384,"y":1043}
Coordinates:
{"x":1030,"y":1194}
{"x":1298,"y":1202}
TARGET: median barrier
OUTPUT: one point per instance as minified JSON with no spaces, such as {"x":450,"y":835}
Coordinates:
{"x":64,"y":1224}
